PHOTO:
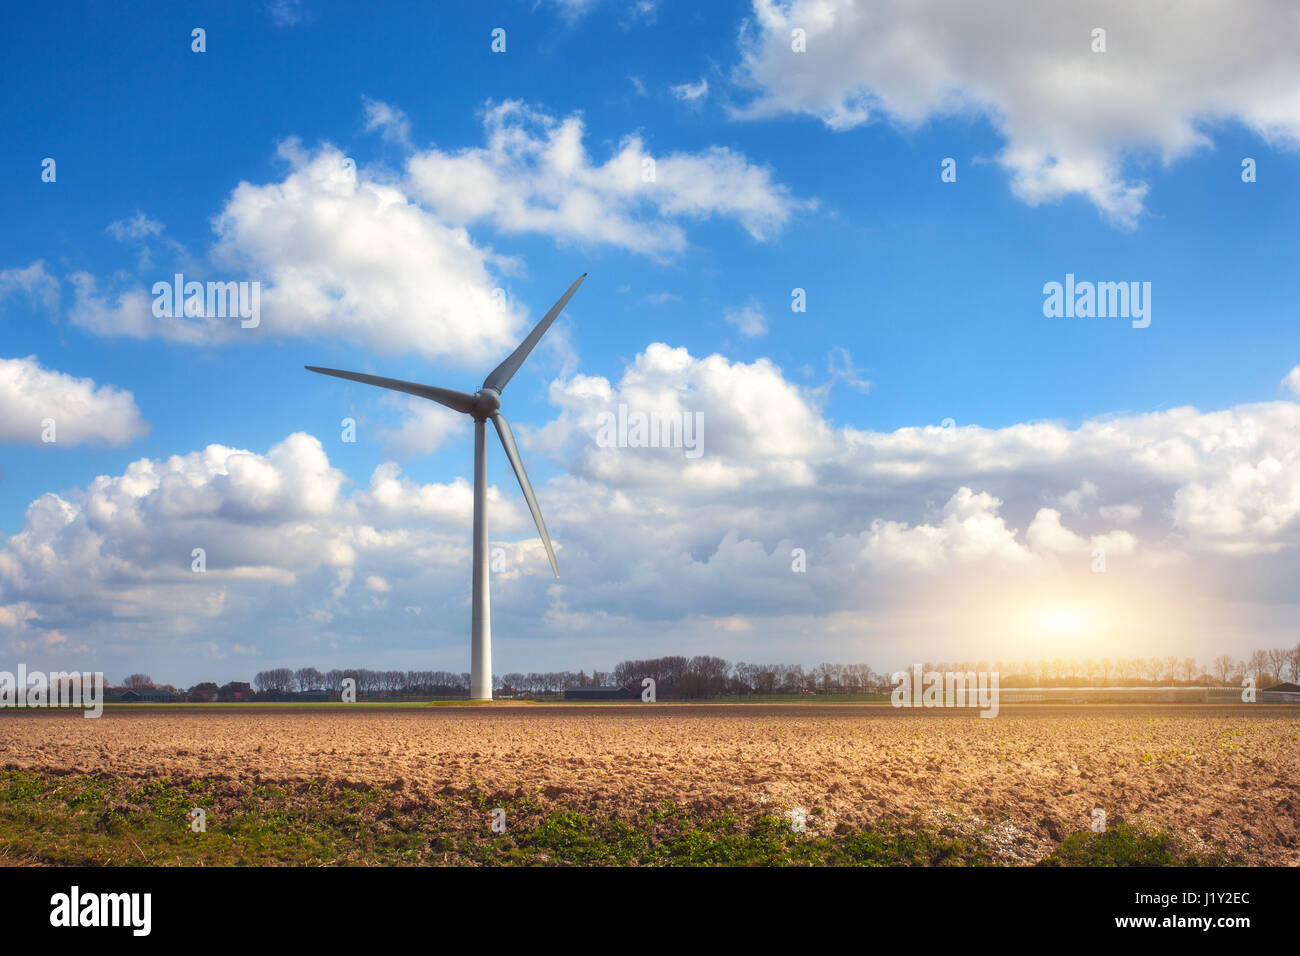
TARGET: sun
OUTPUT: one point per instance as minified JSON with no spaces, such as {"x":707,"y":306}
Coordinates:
{"x":1064,"y":622}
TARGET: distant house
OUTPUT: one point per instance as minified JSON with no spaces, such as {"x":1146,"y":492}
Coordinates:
{"x":600,"y":693}
{"x":235,"y":690}
{"x":1286,"y":693}
{"x":148,"y":697}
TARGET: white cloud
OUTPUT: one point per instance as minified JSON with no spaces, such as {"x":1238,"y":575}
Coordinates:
{"x":83,"y":412}
{"x":632,"y":11}
{"x":1120,"y":514}
{"x":1071,"y":119}
{"x":425,"y":426}
{"x":943,"y":538}
{"x":840,"y":365}
{"x":128,"y":312}
{"x":534,"y":175}
{"x":144,"y":233}
{"x":339,"y":256}
{"x":691,"y":92}
{"x":971,"y":531}
{"x":282,"y":545}
{"x":735,"y":623}
{"x":392,"y":123}
{"x":749,"y":319}
{"x":34,"y":282}
{"x":1047,"y":534}
{"x":343,"y":256}
{"x":660,"y":298}
{"x":752,"y":421}
{"x":1075,"y":499}
{"x":1292,"y":381}
{"x":138,"y":226}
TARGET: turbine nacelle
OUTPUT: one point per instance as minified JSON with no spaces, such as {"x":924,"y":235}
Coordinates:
{"x":487,"y":402}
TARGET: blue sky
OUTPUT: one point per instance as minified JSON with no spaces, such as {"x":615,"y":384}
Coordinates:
{"x":924,"y":304}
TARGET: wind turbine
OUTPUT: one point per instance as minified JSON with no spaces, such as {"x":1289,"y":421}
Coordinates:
{"x":482,"y":405}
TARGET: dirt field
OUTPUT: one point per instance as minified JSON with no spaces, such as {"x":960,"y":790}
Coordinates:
{"x":1225,"y":775}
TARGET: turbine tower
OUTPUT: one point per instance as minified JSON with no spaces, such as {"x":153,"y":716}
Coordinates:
{"x":482,"y":405}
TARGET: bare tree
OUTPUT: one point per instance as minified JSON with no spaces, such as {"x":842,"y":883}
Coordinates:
{"x":1257,"y":666}
{"x":1277,"y":661}
{"x":1223,"y":665}
{"x":138,"y":682}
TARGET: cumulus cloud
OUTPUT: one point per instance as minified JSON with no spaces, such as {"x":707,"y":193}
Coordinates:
{"x":534,"y":175}
{"x":82,"y":412}
{"x":1072,"y":119}
{"x":970,"y":530}
{"x":946,"y":536}
{"x":1292,"y":381}
{"x":342,"y":255}
{"x":338,"y":256}
{"x":746,"y":417}
{"x":346,"y":254}
{"x":278,"y":539}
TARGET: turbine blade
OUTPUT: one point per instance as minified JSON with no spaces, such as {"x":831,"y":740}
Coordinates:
{"x":503,"y":372}
{"x":458,"y":401}
{"x":508,"y":443}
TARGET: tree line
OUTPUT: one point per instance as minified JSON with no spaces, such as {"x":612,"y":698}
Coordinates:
{"x":708,"y":676}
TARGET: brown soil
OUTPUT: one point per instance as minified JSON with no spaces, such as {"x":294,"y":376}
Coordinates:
{"x":1226,"y":775}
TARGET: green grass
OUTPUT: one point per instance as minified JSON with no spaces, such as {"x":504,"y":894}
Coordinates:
{"x":1131,"y":844}
{"x":85,"y":820}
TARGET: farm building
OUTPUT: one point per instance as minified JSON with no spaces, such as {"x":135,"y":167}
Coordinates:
{"x":599,"y":693}
{"x":1287,"y":693}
